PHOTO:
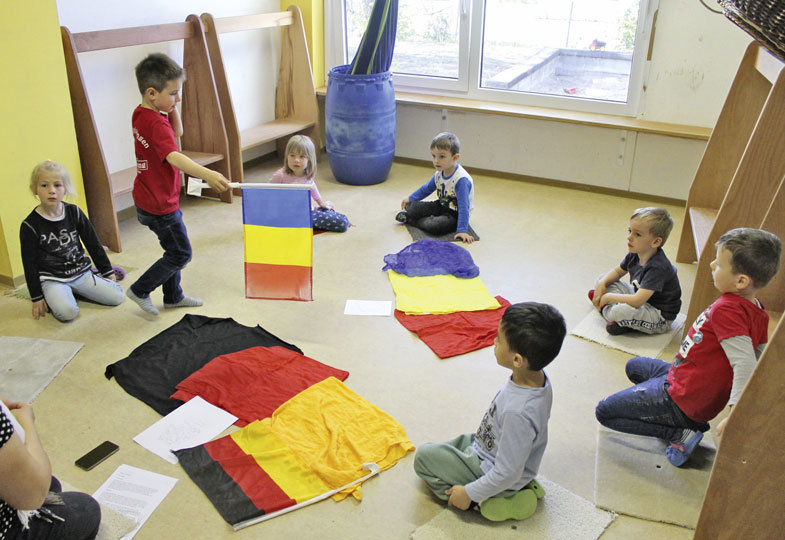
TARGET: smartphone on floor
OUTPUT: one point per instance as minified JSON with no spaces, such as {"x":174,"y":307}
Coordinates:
{"x":96,"y":455}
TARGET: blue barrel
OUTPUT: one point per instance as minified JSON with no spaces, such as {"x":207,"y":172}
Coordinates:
{"x":359,"y":115}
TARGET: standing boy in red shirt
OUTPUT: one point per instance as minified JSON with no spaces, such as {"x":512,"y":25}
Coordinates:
{"x":156,"y":192}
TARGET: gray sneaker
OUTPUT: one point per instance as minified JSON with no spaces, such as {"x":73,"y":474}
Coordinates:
{"x":402,"y":216}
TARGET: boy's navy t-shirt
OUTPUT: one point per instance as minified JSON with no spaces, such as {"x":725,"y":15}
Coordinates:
{"x":658,"y":275}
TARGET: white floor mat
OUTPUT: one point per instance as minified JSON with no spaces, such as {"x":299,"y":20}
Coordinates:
{"x":560,"y":514}
{"x":28,"y":365}
{"x":592,"y":327}
{"x":634,"y":477}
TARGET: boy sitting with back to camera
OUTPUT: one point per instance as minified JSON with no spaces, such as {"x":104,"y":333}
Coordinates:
{"x":652,"y":300}
{"x":675,"y":402}
{"x":496,"y":467}
{"x":453,"y":186}
{"x":156,"y":192}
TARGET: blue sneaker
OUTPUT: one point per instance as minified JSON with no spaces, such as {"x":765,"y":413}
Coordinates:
{"x":678,"y":454}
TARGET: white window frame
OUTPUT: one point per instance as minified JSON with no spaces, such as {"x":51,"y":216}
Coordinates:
{"x":469,"y":48}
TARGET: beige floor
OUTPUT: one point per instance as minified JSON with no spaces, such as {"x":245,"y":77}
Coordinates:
{"x":538,"y":243}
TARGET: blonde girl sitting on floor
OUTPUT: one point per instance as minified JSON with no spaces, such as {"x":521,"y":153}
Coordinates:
{"x":299,"y":167}
{"x":55,"y":264}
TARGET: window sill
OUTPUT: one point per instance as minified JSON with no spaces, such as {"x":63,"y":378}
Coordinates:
{"x":554,"y":115}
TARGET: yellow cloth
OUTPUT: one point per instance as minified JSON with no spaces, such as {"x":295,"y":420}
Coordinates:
{"x":333,"y":431}
{"x":278,"y":245}
{"x":440,"y":294}
{"x":279,"y":462}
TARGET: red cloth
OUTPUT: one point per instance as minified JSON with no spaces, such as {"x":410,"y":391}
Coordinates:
{"x":451,"y":334}
{"x":701,"y":376}
{"x":157,"y":184}
{"x":252,"y":383}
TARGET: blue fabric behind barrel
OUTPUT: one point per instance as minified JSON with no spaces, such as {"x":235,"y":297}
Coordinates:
{"x":360,"y":126}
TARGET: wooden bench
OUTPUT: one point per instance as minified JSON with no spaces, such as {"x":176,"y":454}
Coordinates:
{"x":296,"y":110}
{"x":204,"y":139}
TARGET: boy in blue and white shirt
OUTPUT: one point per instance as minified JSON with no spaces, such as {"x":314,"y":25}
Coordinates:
{"x":453,"y":186}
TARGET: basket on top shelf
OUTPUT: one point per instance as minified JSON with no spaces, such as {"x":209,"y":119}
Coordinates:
{"x":762,"y":19}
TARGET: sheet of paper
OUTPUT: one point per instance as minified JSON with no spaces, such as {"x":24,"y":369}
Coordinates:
{"x":192,"y":423}
{"x":381,"y":308}
{"x":195,"y":186}
{"x":135,"y":493}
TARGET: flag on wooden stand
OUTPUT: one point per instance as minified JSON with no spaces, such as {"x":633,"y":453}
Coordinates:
{"x":278,"y":239}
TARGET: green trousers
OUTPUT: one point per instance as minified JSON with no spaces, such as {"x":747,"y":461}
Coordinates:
{"x":448,"y":464}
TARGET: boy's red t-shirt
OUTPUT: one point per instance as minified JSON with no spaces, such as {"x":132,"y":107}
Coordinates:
{"x":157,"y":184}
{"x":701,"y":377}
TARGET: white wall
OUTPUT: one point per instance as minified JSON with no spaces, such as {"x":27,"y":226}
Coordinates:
{"x":694,"y":59}
{"x":251,"y":60}
{"x":695,"y":56}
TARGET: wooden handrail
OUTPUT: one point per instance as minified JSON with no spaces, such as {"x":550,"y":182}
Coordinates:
{"x":251,"y":22}
{"x":127,"y":37}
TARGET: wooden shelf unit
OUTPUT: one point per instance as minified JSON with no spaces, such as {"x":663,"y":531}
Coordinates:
{"x":739,"y":179}
{"x":747,"y":472}
{"x":296,"y":110}
{"x":741,"y":183}
{"x":204,"y":138}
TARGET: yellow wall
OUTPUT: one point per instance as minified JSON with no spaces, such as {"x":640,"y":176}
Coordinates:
{"x":37,"y":120}
{"x":313,"y":21}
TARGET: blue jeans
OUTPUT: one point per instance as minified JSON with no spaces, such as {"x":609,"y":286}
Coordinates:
{"x":171,"y":233}
{"x":646,"y":408}
{"x":59,"y":295}
{"x":80,"y":512}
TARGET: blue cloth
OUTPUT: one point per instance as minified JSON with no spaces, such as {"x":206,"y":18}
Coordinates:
{"x":375,"y":52}
{"x":271,"y":207}
{"x":173,"y":237}
{"x":430,"y":257}
{"x":646,"y":408}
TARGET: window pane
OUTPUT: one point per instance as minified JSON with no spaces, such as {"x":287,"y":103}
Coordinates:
{"x":580,"y":48}
{"x":426,"y":42}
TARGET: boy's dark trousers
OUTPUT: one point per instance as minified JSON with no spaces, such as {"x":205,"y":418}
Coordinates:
{"x":171,"y":233}
{"x":432,"y":217}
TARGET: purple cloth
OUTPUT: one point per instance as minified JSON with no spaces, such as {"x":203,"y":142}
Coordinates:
{"x":429,"y":257}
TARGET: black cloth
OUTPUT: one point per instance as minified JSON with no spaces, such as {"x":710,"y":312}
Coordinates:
{"x":152,"y":371}
{"x":52,"y":249}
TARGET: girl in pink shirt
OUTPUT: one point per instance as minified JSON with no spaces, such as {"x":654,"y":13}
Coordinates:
{"x":299,"y":167}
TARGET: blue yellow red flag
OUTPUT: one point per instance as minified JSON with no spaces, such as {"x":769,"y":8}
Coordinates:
{"x":278,"y":241}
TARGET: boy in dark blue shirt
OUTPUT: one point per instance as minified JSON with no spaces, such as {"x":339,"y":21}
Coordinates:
{"x":652,"y":300}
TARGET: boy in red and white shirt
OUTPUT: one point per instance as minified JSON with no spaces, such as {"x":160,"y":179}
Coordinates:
{"x":676,"y":401}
